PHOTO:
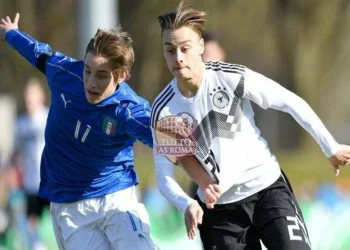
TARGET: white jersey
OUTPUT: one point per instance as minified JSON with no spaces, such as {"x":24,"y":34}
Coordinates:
{"x":217,"y":126}
{"x":30,"y":142}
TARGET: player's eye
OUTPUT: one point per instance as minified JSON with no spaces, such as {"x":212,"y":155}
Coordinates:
{"x":87,"y":72}
{"x":101,"y":76}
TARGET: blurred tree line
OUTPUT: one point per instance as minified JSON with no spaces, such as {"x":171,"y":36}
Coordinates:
{"x":302,"y":44}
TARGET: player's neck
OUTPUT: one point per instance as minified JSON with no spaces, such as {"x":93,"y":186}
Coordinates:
{"x":189,"y":86}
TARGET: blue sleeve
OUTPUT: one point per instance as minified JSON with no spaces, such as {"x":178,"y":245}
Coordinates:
{"x":137,"y":123}
{"x":40,"y":55}
{"x":32,"y":50}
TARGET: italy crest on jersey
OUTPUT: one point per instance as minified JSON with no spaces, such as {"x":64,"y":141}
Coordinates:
{"x":109,"y":126}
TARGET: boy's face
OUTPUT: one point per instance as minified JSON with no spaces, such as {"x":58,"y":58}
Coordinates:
{"x":182,"y":49}
{"x":99,"y":82}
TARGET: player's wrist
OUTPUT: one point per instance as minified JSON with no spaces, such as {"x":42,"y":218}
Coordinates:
{"x":188,"y":204}
{"x":205,"y":182}
{"x":7,"y":34}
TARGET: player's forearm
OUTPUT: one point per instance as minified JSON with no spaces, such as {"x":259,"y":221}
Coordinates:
{"x":170,"y":189}
{"x":308,"y":119}
{"x":196,"y":171}
{"x":27,"y":46}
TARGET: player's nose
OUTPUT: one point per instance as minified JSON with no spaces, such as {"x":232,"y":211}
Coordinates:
{"x":91,"y":82}
{"x":178,"y":57}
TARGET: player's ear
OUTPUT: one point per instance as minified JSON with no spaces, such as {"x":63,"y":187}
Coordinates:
{"x":122,"y":77}
{"x":201,"y":46}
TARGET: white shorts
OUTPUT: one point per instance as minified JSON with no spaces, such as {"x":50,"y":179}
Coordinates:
{"x":115,"y":221}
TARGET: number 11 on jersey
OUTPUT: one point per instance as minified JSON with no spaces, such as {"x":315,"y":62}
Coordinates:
{"x":76,"y":133}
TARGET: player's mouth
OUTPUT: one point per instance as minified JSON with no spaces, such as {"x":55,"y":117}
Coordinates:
{"x":93,"y":93}
{"x":179,"y":68}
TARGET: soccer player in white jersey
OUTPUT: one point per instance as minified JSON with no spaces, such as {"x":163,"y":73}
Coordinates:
{"x":206,"y":111}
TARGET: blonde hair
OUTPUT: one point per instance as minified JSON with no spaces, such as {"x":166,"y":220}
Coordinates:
{"x":116,"y":46}
{"x":185,"y":15}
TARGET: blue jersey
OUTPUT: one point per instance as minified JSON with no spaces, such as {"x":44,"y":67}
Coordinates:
{"x":88,"y":147}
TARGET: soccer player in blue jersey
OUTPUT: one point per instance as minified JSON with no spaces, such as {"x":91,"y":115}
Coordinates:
{"x":87,"y":165}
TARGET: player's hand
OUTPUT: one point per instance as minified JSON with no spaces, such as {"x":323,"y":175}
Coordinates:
{"x":341,"y":158}
{"x":201,"y":177}
{"x":6,"y":25}
{"x":193,"y":217}
{"x":212,"y":193}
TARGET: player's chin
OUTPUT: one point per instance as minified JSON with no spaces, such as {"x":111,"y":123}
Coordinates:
{"x":93,"y":99}
{"x":180,"y":74}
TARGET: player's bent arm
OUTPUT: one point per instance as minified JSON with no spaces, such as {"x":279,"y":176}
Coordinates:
{"x":269,"y":94}
{"x":35,"y":52}
{"x":196,"y":171}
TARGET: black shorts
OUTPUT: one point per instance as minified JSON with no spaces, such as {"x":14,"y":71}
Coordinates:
{"x":36,"y":205}
{"x":272,"y":216}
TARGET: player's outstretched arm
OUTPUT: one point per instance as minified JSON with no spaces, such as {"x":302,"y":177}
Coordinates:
{"x":35,"y":52}
{"x":269,"y":94}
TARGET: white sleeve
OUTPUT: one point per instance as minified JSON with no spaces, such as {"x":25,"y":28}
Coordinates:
{"x":166,"y":182}
{"x":269,"y":94}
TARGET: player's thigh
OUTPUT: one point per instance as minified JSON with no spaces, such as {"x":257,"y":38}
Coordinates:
{"x":228,"y":229}
{"x":285,"y":233}
{"x":58,"y":232}
{"x":87,"y":239}
{"x":83,"y":238}
{"x":279,"y":220}
{"x":77,"y":226}
{"x":130,"y":229}
{"x":232,"y":238}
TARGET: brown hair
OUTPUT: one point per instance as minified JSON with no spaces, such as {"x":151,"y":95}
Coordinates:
{"x":185,"y":15}
{"x":116,"y":46}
